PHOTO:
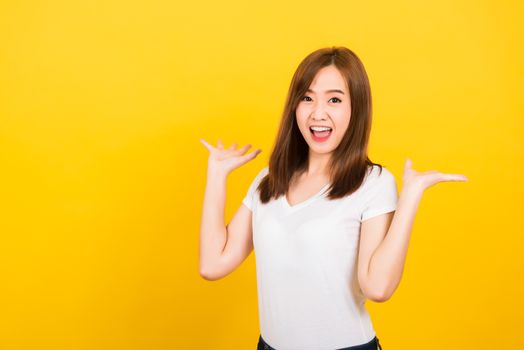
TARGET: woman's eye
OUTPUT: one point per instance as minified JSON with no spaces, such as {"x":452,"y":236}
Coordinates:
{"x":336,"y":98}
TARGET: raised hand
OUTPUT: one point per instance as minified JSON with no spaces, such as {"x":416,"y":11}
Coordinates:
{"x":420,"y":181}
{"x":224,"y":160}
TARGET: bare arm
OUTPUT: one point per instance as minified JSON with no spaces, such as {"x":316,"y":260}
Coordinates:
{"x":385,"y":238}
{"x":222,"y":248}
{"x":213,"y":232}
{"x":384,"y":247}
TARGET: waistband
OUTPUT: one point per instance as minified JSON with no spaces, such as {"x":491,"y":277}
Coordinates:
{"x":373,"y":344}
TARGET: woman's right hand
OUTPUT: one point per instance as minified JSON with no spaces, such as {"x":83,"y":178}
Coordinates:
{"x":226,"y":160}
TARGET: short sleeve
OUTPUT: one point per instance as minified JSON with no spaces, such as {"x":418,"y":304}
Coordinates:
{"x":250,"y":196}
{"x":382,"y":196}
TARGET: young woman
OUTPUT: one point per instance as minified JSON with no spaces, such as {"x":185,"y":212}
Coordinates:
{"x":327,"y":225}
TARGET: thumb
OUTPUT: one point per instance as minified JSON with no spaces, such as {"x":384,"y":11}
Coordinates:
{"x":408,"y":164}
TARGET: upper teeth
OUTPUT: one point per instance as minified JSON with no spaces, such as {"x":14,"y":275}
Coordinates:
{"x":320,"y":128}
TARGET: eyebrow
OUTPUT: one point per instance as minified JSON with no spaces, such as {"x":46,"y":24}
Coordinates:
{"x":328,"y":91}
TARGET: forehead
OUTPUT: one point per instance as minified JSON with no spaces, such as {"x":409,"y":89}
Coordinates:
{"x":328,"y":78}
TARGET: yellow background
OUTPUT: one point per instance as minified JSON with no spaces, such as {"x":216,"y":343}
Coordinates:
{"x":102,"y":178}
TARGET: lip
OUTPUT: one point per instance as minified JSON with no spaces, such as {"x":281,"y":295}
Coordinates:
{"x":320,"y":139}
{"x":322,"y":126}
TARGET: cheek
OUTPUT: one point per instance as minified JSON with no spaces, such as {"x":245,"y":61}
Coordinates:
{"x":301,"y":119}
{"x":343,"y":120}
{"x":299,"y":112}
{"x":341,"y":131}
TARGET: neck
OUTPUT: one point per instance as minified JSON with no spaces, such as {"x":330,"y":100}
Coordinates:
{"x":318,"y":164}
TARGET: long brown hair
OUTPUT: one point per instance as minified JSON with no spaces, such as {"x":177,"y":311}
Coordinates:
{"x":349,"y":161}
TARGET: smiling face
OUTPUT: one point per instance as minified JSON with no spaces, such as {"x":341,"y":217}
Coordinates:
{"x":325,"y":104}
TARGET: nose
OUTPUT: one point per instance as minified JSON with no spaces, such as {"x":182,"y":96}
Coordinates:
{"x":319,"y":112}
{"x":318,"y":116}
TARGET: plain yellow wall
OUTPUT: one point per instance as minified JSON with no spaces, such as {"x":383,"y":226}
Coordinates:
{"x":102,"y":104}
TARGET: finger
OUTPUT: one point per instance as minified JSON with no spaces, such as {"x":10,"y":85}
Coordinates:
{"x":244,"y":149}
{"x":220,"y":144}
{"x":252,"y":155}
{"x":407,"y":165}
{"x":454,"y":177}
{"x":208,"y":146}
{"x":233,"y":147}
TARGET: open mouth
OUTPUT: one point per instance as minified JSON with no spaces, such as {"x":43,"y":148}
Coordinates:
{"x":320,"y":135}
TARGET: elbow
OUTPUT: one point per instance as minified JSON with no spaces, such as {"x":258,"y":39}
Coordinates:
{"x":378,"y":298}
{"x":379,"y":295}
{"x":208,"y":275}
{"x":379,"y":290}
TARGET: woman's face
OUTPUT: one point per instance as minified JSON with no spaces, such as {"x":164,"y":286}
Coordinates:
{"x":325,"y":104}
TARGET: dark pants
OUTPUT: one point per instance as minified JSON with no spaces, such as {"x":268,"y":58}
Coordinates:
{"x":373,"y":344}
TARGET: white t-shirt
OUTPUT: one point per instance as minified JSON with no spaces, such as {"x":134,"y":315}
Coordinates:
{"x":309,"y":297}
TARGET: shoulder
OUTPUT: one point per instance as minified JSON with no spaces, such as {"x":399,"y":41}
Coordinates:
{"x":376,"y":176}
{"x":263,"y":172}
{"x":260,"y":175}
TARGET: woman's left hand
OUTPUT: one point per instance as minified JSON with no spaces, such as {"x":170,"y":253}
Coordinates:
{"x":420,"y":181}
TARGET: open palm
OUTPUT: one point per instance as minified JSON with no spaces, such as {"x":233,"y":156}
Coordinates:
{"x":421,"y":181}
{"x":224,"y":160}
